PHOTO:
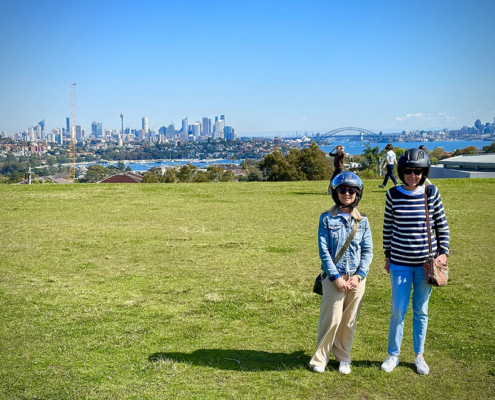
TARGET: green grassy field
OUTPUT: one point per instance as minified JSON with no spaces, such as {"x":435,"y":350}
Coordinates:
{"x":203,"y":291}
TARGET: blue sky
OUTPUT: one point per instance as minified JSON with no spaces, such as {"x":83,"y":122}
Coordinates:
{"x":266,"y":65}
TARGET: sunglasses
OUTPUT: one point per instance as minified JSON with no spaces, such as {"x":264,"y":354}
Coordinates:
{"x":409,"y":171}
{"x":344,"y":190}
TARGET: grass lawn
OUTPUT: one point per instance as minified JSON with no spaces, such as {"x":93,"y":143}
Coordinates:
{"x":203,"y":291}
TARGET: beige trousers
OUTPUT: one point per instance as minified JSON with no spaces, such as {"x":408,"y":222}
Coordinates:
{"x":337,"y":323}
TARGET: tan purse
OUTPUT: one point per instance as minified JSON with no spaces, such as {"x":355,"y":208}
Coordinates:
{"x":436,"y":272}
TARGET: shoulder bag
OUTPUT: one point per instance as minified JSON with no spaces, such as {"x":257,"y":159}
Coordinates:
{"x":318,"y":288}
{"x":436,"y":272}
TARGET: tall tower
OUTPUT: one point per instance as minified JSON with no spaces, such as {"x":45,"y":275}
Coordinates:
{"x":73,"y":140}
{"x":206,"y":126}
{"x":122,"y":119}
{"x":145,"y":125}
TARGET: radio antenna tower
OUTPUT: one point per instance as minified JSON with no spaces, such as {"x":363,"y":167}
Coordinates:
{"x":72,"y":133}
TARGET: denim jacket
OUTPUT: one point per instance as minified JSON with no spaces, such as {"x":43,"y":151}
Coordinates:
{"x":333,"y":231}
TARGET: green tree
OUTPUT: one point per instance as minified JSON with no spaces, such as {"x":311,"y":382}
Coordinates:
{"x":150,"y":177}
{"x":466,"y":150}
{"x":437,"y":152}
{"x":228,"y":176}
{"x":490,"y":148}
{"x":275,"y":167}
{"x":371,"y":154}
{"x":314,"y":164}
{"x":171,"y":175}
{"x":215,"y":173}
{"x":95,"y":173}
{"x":186,"y":173}
{"x":434,"y":160}
{"x":201,"y":176}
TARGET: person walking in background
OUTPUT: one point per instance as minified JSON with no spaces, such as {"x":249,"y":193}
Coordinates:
{"x":343,"y":282}
{"x":405,"y":243}
{"x":338,"y":163}
{"x":427,"y":181}
{"x":390,"y":160}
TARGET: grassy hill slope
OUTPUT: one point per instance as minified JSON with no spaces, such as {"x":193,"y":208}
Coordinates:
{"x":201,"y":291}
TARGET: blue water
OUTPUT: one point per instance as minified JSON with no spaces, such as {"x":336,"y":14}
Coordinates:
{"x":142,"y":167}
{"x":351,"y":148}
{"x":354,"y":148}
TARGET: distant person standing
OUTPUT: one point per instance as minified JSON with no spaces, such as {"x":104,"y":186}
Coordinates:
{"x":427,"y":181}
{"x":390,"y":160}
{"x":338,"y":163}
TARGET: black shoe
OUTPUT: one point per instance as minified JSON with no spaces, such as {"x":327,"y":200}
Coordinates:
{"x":381,"y":186}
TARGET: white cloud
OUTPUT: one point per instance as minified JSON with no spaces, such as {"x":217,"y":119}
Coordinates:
{"x":493,"y":112}
{"x":418,"y":118}
{"x":303,"y":117}
{"x":475,"y":112}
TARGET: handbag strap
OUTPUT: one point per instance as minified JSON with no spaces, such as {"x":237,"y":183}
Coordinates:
{"x":347,"y":243}
{"x":427,"y":213}
{"x":343,"y":249}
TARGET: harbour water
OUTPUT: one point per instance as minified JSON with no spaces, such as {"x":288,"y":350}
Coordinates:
{"x":352,"y":148}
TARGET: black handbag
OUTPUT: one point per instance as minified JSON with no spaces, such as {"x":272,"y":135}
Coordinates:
{"x":318,"y":287}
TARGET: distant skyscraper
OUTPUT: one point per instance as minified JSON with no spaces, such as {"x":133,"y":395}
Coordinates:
{"x":219,"y":126}
{"x":206,"y":127}
{"x":67,"y":124}
{"x":477,"y":124}
{"x":31,"y":134}
{"x":4,"y":134}
{"x":145,"y":125}
{"x":196,"y":129}
{"x":42,"y":124}
{"x":185,"y":126}
{"x":93,"y":129}
{"x":79,"y":134}
{"x":99,"y":130}
{"x":170,"y":131}
{"x":222,"y":117}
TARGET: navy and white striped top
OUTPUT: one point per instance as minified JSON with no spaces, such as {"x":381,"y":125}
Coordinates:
{"x":404,"y":226}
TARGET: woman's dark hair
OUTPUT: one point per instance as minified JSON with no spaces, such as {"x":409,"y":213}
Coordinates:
{"x":422,"y":147}
{"x":389,"y":146}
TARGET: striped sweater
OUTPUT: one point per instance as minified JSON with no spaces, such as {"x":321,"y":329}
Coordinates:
{"x":404,"y":227}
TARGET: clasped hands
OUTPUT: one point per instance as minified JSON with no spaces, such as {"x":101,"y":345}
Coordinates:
{"x":343,"y":285}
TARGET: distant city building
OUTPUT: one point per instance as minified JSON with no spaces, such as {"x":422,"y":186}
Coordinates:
{"x":185,"y":126}
{"x":477,"y":124}
{"x":67,"y":124}
{"x":145,"y":125}
{"x":206,"y":127}
{"x":4,"y":134}
{"x":170,"y":131}
{"x":196,"y":130}
{"x":31,"y":134}
{"x":79,"y":132}
{"x":99,"y":130}
{"x":93,"y":129}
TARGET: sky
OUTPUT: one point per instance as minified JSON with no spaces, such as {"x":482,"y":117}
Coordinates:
{"x":268,"y":66}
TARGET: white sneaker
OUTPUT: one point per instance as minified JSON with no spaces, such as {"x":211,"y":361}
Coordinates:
{"x":421,"y":366}
{"x":319,"y":369}
{"x":345,"y":367}
{"x":390,"y":363}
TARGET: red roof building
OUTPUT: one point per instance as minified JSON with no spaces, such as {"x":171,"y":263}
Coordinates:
{"x":127,"y":177}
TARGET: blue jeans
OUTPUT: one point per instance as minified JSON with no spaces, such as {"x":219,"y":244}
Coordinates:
{"x":403,"y":279}
{"x":390,"y":173}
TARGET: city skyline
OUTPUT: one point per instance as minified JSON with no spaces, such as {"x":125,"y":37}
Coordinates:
{"x":271,"y":67}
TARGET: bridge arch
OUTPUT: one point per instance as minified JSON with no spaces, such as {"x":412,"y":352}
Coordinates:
{"x":358,"y":131}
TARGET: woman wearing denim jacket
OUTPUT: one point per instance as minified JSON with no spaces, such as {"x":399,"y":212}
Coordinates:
{"x":343,"y":287}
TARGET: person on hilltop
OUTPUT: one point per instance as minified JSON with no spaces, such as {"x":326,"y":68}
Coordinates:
{"x":422,"y":147}
{"x":343,"y":282}
{"x":390,"y":160}
{"x":405,"y":243}
{"x":338,"y":163}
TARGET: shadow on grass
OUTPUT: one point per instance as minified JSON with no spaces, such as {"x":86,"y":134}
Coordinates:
{"x":236,"y":360}
{"x":309,"y":193}
{"x":253,"y":360}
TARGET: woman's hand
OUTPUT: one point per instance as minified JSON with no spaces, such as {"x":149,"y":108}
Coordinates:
{"x":353,"y":282}
{"x":387,"y":266}
{"x":442,"y":258}
{"x":340,"y":284}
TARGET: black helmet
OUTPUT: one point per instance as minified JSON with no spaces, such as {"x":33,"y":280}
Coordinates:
{"x":349,"y":179}
{"x":414,"y":158}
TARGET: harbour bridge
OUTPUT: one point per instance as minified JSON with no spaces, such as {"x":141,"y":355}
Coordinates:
{"x":352,"y":133}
